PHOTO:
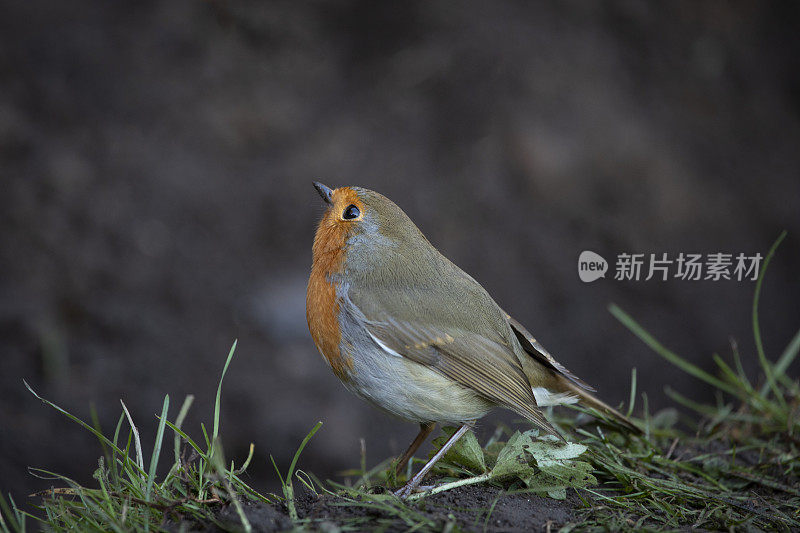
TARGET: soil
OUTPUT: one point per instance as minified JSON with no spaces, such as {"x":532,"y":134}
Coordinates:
{"x":488,"y":508}
{"x":466,"y":506}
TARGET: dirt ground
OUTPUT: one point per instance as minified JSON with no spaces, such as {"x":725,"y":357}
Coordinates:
{"x":465,"y":506}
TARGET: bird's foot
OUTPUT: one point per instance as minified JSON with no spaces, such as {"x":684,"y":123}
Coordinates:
{"x":404,"y":491}
{"x":408,"y":489}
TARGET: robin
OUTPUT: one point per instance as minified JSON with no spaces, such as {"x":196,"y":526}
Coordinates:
{"x":407,"y":330}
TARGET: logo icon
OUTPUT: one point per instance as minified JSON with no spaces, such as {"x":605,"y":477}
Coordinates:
{"x":591,"y":266}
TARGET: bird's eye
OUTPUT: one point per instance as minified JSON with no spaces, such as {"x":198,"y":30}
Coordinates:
{"x":351,"y":212}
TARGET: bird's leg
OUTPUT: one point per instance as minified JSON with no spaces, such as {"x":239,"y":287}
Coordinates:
{"x":417,"y":479}
{"x":425,"y":429}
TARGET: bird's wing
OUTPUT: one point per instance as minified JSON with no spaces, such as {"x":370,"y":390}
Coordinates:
{"x":538,"y":352}
{"x":473,"y":360}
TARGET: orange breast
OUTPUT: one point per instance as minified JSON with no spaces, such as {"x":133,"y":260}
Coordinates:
{"x":322,"y":306}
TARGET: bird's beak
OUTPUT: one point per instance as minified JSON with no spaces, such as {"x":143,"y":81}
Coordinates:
{"x":324,"y":191}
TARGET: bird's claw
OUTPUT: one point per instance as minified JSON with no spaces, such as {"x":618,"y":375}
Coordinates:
{"x":407,"y":490}
{"x":404,"y":491}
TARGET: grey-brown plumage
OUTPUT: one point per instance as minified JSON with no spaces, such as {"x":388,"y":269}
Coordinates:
{"x":412,"y":303}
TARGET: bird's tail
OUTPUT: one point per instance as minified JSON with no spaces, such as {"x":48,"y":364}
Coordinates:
{"x":586,"y":398}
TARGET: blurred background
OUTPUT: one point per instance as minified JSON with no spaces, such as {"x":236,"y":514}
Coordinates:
{"x":156,"y":198}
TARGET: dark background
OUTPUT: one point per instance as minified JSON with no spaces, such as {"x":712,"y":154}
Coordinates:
{"x":156,"y":201}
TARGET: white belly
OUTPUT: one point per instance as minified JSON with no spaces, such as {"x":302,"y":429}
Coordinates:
{"x":404,"y":388}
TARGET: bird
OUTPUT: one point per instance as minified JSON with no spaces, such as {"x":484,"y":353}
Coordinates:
{"x":407,"y":330}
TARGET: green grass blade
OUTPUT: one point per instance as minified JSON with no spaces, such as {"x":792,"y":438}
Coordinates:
{"x":729,"y":374}
{"x":96,"y":425}
{"x":762,"y":357}
{"x":300,"y":449}
{"x":246,"y":461}
{"x":187,"y":438}
{"x":136,"y":440}
{"x":788,"y":356}
{"x":746,"y":392}
{"x":737,"y":359}
{"x":277,"y":470}
{"x":205,"y":437}
{"x":156,"y":449}
{"x":632,"y":399}
{"x":17,"y":524}
{"x":647,"y":419}
{"x":115,"y":448}
{"x":218,"y":400}
{"x":670,"y":356}
{"x":215,"y":433}
{"x":288,"y":489}
{"x":187,"y":403}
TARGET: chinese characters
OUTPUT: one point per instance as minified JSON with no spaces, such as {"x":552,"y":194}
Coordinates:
{"x":687,"y":266}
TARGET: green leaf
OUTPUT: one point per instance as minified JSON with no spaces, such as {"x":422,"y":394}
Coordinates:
{"x":556,"y":467}
{"x":512,"y":461}
{"x":551,"y":450}
{"x":556,"y":476}
{"x":465,"y":452}
{"x":572,"y":473}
